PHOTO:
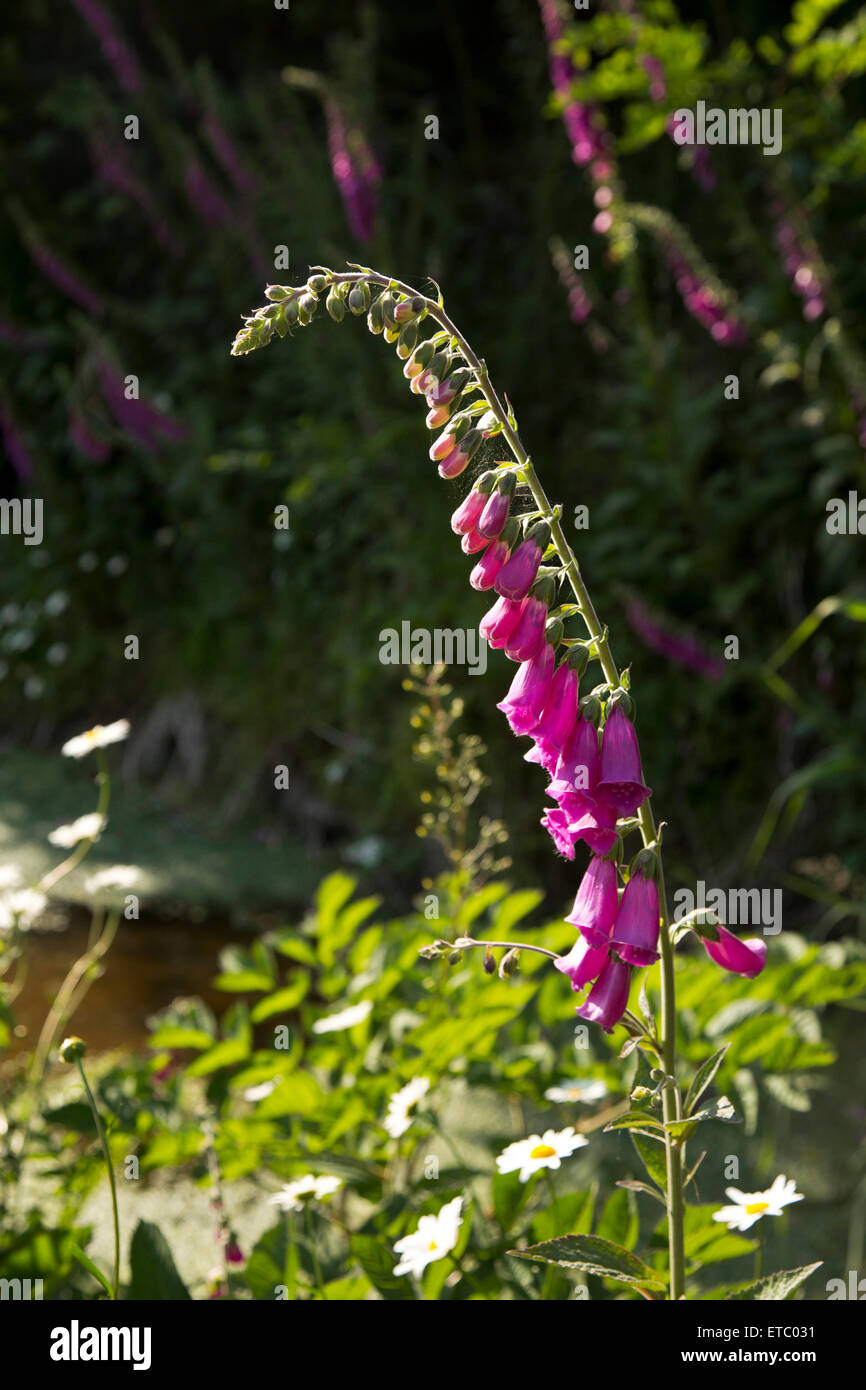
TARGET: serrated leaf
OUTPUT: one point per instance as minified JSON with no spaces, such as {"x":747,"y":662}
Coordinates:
{"x":704,"y":1076}
{"x":775,"y":1287}
{"x":593,"y":1255}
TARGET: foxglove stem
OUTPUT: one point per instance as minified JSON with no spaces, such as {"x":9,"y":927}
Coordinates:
{"x":671,"y":1097}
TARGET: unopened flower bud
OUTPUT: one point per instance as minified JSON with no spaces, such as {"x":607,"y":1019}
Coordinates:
{"x":454,"y":463}
{"x":455,"y":957}
{"x":71,"y":1049}
{"x":419,"y":359}
{"x":621,"y":700}
{"x":317,"y":283}
{"x":489,"y":962}
{"x":359,"y":299}
{"x":335,"y":306}
{"x":375,"y":322}
{"x":489,"y":424}
{"x":495,"y":514}
{"x":277,"y":292}
{"x":408,"y":309}
{"x":554,"y":631}
{"x":291,"y":311}
{"x":307,"y":305}
{"x":407,"y":339}
{"x":590,"y":709}
{"x":578,"y":658}
{"x":509,"y":964}
{"x":437,"y":416}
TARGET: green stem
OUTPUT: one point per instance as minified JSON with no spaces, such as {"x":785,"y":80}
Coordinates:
{"x":105,"y":1149}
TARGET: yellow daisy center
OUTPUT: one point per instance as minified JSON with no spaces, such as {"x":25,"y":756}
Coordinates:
{"x":432,"y":1245}
{"x":755,"y":1208}
{"x":542,"y":1151}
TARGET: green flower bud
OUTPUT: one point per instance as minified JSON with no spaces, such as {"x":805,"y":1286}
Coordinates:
{"x":72,"y":1048}
{"x":554,"y":631}
{"x":407,"y":339}
{"x":335,"y":307}
{"x":277,"y":292}
{"x":489,"y":962}
{"x":408,"y":309}
{"x":292,"y":312}
{"x":539,"y":532}
{"x":359,"y":299}
{"x":509,"y":964}
{"x":317,"y":283}
{"x":622,"y":700}
{"x":388,"y":307}
{"x":307,"y":305}
{"x":590,"y":708}
{"x":578,"y":658}
{"x":455,"y":957}
{"x":375,"y":322}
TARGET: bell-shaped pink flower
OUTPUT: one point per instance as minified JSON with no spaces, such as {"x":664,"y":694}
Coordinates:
{"x":595,"y":906}
{"x":592,"y":822}
{"x":528,"y":636}
{"x":484,"y":574}
{"x":560,"y":713}
{"x":525,"y":700}
{"x":471,"y":543}
{"x":608,"y":997}
{"x":555,"y":822}
{"x":578,"y":763}
{"x":495,"y":513}
{"x":498,"y":624}
{"x":517,"y":576}
{"x":620,"y":784}
{"x":741,"y":957}
{"x":464,"y":518}
{"x":635,"y":932}
{"x":583,"y":963}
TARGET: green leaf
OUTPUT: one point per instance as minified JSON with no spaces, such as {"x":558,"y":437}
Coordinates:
{"x":593,"y":1255}
{"x":720,"y":1109}
{"x":273,"y":1263}
{"x":653,"y":1159}
{"x":635,"y":1185}
{"x":241,"y":981}
{"x":703,"y":1077}
{"x":92,"y":1268}
{"x":225,"y":1054}
{"x":618,"y":1222}
{"x":153,"y":1273}
{"x":776,"y":1287}
{"x":377,"y":1261}
{"x":282,"y":1001}
{"x":509,"y":1196}
{"x":181,"y":1037}
{"x":639,"y":1120}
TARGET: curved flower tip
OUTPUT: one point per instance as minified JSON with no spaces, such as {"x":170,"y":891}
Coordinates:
{"x":525,"y":699}
{"x":500,"y":621}
{"x":526,"y":640}
{"x":484,"y":574}
{"x":620,"y":784}
{"x":583,"y":962}
{"x":740,"y":957}
{"x":608,"y":997}
{"x":517,"y":576}
{"x":636,"y":930}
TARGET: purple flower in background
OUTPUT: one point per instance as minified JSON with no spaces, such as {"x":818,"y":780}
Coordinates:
{"x":356,"y":172}
{"x":16,"y":450}
{"x":800,"y":258}
{"x":116,"y":52}
{"x":85,"y":442}
{"x":684,"y":651}
{"x":61,"y":276}
{"x":137,"y":417}
{"x":111,"y":160}
{"x":204,"y":195}
{"x":223,"y":147}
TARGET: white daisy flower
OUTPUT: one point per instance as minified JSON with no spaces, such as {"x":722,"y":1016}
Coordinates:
{"x":10,"y":876}
{"x":116,"y":876}
{"x":749,"y":1207}
{"x":539,"y":1151}
{"x":402,"y":1103}
{"x":98,"y":737}
{"x":292,"y":1195}
{"x":435,"y":1237}
{"x":577,"y":1091}
{"x":346,"y":1018}
{"x":21,"y":908}
{"x":85,"y":828}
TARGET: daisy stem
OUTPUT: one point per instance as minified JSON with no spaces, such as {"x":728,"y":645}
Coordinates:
{"x":672,"y":1102}
{"x":314,"y":1251}
{"x":105,"y":1149}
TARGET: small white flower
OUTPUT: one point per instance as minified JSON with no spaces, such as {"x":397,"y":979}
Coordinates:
{"x":346,"y":1018}
{"x":576,"y":1091}
{"x":21,"y":908}
{"x":435,"y":1237}
{"x":85,"y":828}
{"x":539,"y":1151}
{"x":98,"y":737}
{"x":749,"y":1207}
{"x":262,"y":1091}
{"x":10,"y":876}
{"x":117,"y":876}
{"x":402,"y":1103}
{"x":292,"y":1195}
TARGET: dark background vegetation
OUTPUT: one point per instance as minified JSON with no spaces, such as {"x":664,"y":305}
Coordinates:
{"x":711,"y":510}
